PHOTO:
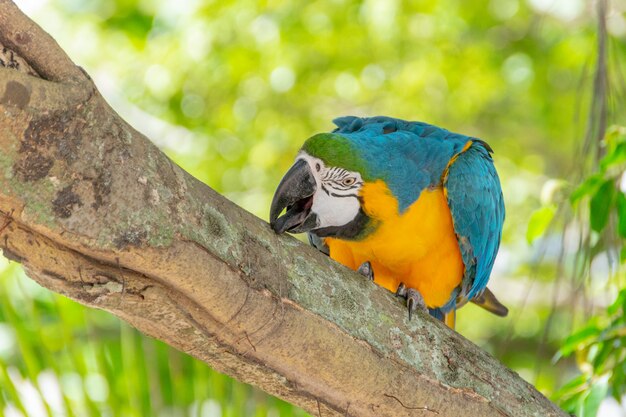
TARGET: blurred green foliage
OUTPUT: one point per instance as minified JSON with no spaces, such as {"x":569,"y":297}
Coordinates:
{"x":600,"y":348}
{"x":600,"y":345}
{"x":231,"y":89}
{"x":603,"y":188}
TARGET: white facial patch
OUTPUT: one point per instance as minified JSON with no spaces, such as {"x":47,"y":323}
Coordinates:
{"x":335,"y":201}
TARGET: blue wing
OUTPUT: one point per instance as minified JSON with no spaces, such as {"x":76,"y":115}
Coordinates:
{"x":477,"y":206}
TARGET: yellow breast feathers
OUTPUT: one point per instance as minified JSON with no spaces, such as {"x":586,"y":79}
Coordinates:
{"x":418,"y":247}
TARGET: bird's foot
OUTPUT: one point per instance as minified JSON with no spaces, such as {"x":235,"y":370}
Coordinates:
{"x":366,"y":270}
{"x":414,"y":300}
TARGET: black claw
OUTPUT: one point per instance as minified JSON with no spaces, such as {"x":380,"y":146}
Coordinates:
{"x":366,"y":270}
{"x":401,"y":291}
{"x":414,"y":302}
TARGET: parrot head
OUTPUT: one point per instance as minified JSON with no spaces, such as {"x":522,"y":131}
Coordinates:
{"x":320,"y":192}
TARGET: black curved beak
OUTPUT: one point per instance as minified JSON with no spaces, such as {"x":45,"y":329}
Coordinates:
{"x":294,"y":193}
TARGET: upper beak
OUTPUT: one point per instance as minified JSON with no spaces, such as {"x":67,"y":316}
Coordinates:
{"x":294,"y":193}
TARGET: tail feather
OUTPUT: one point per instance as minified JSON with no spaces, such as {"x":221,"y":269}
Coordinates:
{"x":489,"y":302}
{"x":450,"y":318}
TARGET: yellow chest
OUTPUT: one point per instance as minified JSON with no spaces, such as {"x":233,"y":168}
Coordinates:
{"x":418,"y":247}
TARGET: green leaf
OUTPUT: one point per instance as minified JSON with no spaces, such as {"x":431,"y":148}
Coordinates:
{"x":571,"y":395}
{"x":573,"y":386}
{"x":617,"y":382}
{"x":604,"y":351}
{"x":588,"y":187}
{"x":539,"y":222}
{"x":580,"y":339}
{"x":597,"y":393}
{"x":600,"y":205}
{"x":616,"y":157}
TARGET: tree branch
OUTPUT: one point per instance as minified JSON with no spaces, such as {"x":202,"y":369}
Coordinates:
{"x":42,"y":53}
{"x":93,"y":210}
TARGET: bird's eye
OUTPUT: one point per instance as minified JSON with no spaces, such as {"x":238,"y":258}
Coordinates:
{"x":348,"y":181}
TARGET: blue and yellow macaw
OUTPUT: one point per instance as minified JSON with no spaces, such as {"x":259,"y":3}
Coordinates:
{"x":416,"y":208}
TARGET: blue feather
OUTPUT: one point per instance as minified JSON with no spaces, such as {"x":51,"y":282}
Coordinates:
{"x":409,"y":158}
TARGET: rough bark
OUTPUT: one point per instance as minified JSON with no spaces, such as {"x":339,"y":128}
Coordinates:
{"x":94,"y":211}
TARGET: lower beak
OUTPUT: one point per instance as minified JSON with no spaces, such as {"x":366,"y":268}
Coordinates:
{"x":294,"y":193}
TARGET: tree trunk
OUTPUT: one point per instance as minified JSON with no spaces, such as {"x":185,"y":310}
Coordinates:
{"x":94,"y":211}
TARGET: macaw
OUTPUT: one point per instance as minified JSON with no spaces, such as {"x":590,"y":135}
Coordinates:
{"x":414,"y":207}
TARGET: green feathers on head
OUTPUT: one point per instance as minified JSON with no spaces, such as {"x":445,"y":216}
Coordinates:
{"x":336,"y":151}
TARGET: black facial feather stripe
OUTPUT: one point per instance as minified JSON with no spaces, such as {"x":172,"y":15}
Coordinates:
{"x":335,"y":173}
{"x":330,"y":193}
{"x":341,"y":187}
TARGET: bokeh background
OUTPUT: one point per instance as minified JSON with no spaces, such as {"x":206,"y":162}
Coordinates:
{"x":231,"y":89}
